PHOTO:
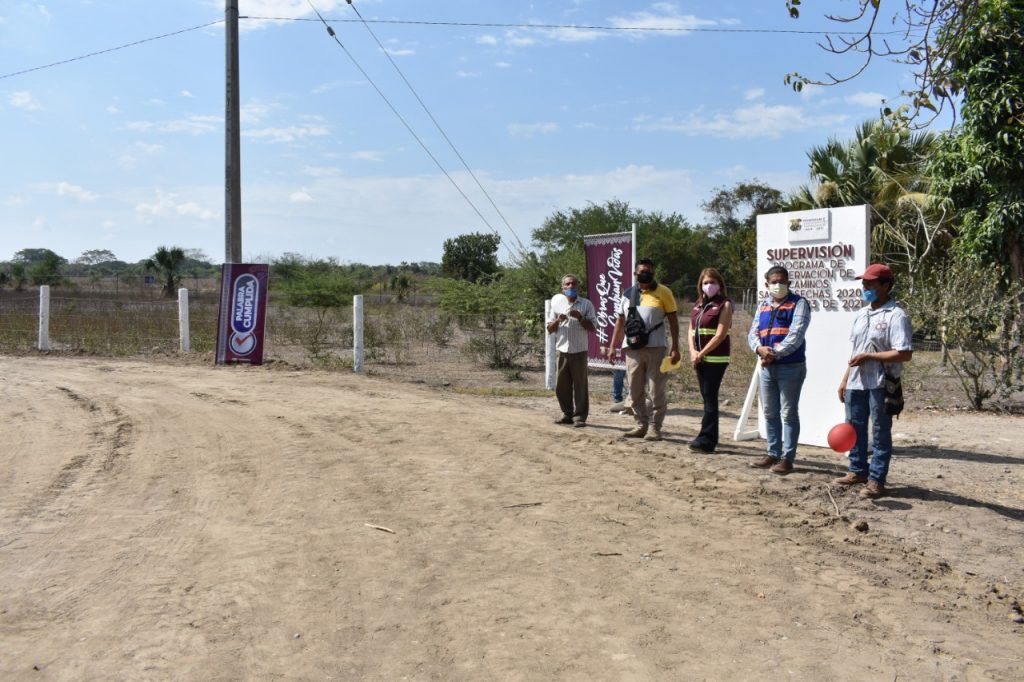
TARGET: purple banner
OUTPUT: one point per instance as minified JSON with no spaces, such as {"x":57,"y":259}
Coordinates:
{"x":243,"y":308}
{"x":609,"y":274}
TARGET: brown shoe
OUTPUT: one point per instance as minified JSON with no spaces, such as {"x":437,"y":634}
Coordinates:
{"x":872,"y":490}
{"x":765,"y":462}
{"x":655,"y":434}
{"x":851,"y":479}
{"x":782,"y":467}
{"x":638,"y":432}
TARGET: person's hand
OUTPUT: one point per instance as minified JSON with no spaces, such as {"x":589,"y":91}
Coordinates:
{"x":675,"y":356}
{"x":694,"y":357}
{"x":859,"y":359}
{"x":842,"y":392}
{"x":611,"y":355}
{"x":576,"y":314}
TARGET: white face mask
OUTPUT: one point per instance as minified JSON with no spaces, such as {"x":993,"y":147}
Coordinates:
{"x":778,"y":290}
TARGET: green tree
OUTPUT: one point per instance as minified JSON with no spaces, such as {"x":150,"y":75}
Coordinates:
{"x":733,"y":229}
{"x":884,"y":166}
{"x":471,"y":257}
{"x":167,"y":262}
{"x":30,"y":257}
{"x":96,"y":257}
{"x":980,"y":165}
{"x":44,"y":268}
{"x":324,"y":287}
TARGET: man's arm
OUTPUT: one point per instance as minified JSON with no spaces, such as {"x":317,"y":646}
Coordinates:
{"x":673,"y":325}
{"x":616,"y":341}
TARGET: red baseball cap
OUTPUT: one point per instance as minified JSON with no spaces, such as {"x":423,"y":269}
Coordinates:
{"x":876,"y":271}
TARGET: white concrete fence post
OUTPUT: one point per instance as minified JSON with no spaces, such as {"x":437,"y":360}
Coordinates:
{"x":550,"y":354}
{"x":183,"y":332}
{"x":44,"y":317}
{"x":357,"y":333}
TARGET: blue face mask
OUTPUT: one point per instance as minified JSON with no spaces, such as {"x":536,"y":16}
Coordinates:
{"x":570,"y":292}
{"x":869,"y":295}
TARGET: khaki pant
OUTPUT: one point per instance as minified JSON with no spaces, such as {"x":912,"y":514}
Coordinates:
{"x":643,"y":370}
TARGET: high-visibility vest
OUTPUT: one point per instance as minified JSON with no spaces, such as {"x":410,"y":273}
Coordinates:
{"x":773,"y":325}
{"x":704,"y":320}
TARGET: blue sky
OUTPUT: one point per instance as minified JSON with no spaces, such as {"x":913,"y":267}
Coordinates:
{"x":125,"y":150}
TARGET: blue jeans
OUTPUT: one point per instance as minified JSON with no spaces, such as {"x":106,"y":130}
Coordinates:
{"x":618,"y":383}
{"x":780,"y":398}
{"x":860,"y":406}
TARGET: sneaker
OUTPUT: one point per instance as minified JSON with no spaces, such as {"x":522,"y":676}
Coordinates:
{"x":851,"y":479}
{"x":628,"y":410}
{"x":617,"y":406}
{"x":655,"y":434}
{"x":765,"y":462}
{"x":564,"y":420}
{"x":579,"y":424}
{"x":782,"y":467}
{"x":872,"y":490}
{"x":638,"y":432}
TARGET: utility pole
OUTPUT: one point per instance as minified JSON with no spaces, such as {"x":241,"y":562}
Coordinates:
{"x":233,"y":153}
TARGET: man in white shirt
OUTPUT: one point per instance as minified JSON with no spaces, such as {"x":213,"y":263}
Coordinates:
{"x":881,"y":338}
{"x":572,"y":319}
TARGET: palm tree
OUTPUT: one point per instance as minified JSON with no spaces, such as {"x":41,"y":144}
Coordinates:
{"x":167,"y":261}
{"x":884,"y":167}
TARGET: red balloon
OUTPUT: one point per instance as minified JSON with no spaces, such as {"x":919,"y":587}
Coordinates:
{"x":842,"y":437}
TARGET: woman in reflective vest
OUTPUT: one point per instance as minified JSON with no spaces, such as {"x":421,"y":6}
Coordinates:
{"x":710,"y":321}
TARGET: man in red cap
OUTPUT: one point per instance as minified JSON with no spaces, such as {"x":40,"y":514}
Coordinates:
{"x":881,"y":338}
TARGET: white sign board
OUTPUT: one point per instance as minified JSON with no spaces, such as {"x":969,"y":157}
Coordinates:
{"x":824,"y":250}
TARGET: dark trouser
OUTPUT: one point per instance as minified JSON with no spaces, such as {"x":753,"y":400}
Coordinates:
{"x":571,"y":385}
{"x":709,"y":376}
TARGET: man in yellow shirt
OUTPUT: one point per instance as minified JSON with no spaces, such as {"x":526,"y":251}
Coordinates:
{"x":655,"y":304}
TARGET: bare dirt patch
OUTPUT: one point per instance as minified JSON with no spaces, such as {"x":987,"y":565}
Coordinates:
{"x":177,"y":521}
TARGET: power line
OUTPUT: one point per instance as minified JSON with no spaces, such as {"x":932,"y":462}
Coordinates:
{"x":110,"y":49}
{"x":578,"y":27}
{"x":330,"y":32}
{"x":437,"y":125}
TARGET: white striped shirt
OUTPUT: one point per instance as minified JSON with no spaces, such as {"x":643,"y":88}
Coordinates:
{"x":571,"y":337}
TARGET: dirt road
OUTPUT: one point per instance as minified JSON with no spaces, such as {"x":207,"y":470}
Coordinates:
{"x":189,"y":523}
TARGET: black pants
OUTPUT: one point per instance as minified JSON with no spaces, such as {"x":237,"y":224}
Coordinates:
{"x":571,"y":385}
{"x":709,"y":376}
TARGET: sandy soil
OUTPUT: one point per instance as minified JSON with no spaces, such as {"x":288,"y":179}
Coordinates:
{"x":190,"y":523}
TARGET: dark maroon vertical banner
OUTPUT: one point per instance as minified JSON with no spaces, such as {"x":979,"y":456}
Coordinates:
{"x":609,"y":274}
{"x":243,"y":310}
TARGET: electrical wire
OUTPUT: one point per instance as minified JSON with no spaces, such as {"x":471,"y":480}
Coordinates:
{"x":331,"y":33}
{"x":437,"y":125}
{"x":581,"y":27}
{"x":578,"y":27}
{"x":110,"y":49}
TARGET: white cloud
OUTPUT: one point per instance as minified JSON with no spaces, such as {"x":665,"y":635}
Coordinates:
{"x":39,"y":224}
{"x":753,"y":93}
{"x":195,"y":125}
{"x":321,"y":171}
{"x":15,"y":201}
{"x":866,"y":99}
{"x":531,"y":129}
{"x":486,"y":40}
{"x":288,"y":134}
{"x":23,"y":99}
{"x":108,"y":224}
{"x":166,"y":204}
{"x":186,"y":93}
{"x":502,"y":65}
{"x":757,"y":120}
{"x":130,"y":158}
{"x":367,"y":155}
{"x":113,"y":110}
{"x":66,"y":189}
{"x":300,"y":197}
{"x":517,"y":39}
{"x":399,"y":52}
{"x":467,"y":74}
